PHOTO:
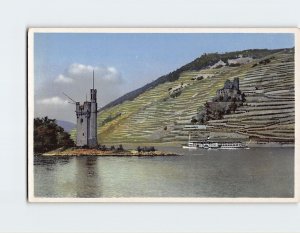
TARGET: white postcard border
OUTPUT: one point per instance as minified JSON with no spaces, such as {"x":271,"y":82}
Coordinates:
{"x":30,"y":115}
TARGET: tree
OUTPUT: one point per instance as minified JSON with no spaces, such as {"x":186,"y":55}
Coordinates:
{"x":194,"y":121}
{"x":243,"y":97}
{"x":49,"y":136}
{"x":120,"y":148}
{"x":233,"y":107}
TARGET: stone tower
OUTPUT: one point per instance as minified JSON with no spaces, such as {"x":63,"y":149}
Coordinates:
{"x":92,"y":140}
{"x":236,"y":83}
{"x":87,"y":121}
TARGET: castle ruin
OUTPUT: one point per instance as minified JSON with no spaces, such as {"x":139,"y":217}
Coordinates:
{"x":230,"y":88}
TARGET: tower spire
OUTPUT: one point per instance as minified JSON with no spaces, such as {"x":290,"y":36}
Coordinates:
{"x":93,"y":79}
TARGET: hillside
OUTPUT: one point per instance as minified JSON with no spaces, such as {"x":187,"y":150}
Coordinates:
{"x":199,"y":63}
{"x":156,"y":115}
{"x":66,"y":125}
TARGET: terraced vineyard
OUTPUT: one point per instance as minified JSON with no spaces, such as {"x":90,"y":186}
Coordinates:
{"x":268,"y":114}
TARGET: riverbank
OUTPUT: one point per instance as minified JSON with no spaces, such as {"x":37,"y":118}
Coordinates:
{"x":96,"y":152}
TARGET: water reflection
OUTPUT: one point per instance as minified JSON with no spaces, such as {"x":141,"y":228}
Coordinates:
{"x":259,"y":172}
{"x":51,"y":162}
{"x":88,"y":182}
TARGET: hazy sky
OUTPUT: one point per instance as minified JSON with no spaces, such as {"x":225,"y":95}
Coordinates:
{"x":63,"y":62}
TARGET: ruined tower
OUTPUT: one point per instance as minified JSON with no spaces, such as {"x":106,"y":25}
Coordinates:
{"x":87,"y":121}
{"x":236,"y":83}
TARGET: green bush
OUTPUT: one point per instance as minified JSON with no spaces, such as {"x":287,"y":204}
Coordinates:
{"x":49,"y":136}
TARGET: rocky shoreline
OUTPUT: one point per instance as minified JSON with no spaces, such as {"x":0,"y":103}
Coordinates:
{"x":96,"y":152}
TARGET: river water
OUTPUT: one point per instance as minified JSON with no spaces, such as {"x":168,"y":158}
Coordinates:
{"x":257,"y":172}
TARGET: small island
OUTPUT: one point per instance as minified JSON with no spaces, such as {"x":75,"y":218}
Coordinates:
{"x":98,"y":152}
{"x":51,"y":140}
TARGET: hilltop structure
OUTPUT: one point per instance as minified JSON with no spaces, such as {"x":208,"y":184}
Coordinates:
{"x":219,"y":64}
{"x":87,"y":121}
{"x":230,"y":88}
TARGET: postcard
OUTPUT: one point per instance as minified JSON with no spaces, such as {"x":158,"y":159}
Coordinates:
{"x":162,"y":115}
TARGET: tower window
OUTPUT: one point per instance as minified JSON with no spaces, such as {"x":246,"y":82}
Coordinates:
{"x":81,"y":120}
{"x":82,"y":134}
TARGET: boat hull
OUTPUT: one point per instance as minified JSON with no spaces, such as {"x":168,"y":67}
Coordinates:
{"x":190,"y":147}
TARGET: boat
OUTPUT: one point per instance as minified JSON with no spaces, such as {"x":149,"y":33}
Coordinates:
{"x":190,"y":145}
{"x":215,"y":144}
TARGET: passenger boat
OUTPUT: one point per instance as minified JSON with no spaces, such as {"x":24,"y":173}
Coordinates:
{"x":215,"y":144}
{"x":190,"y":145}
